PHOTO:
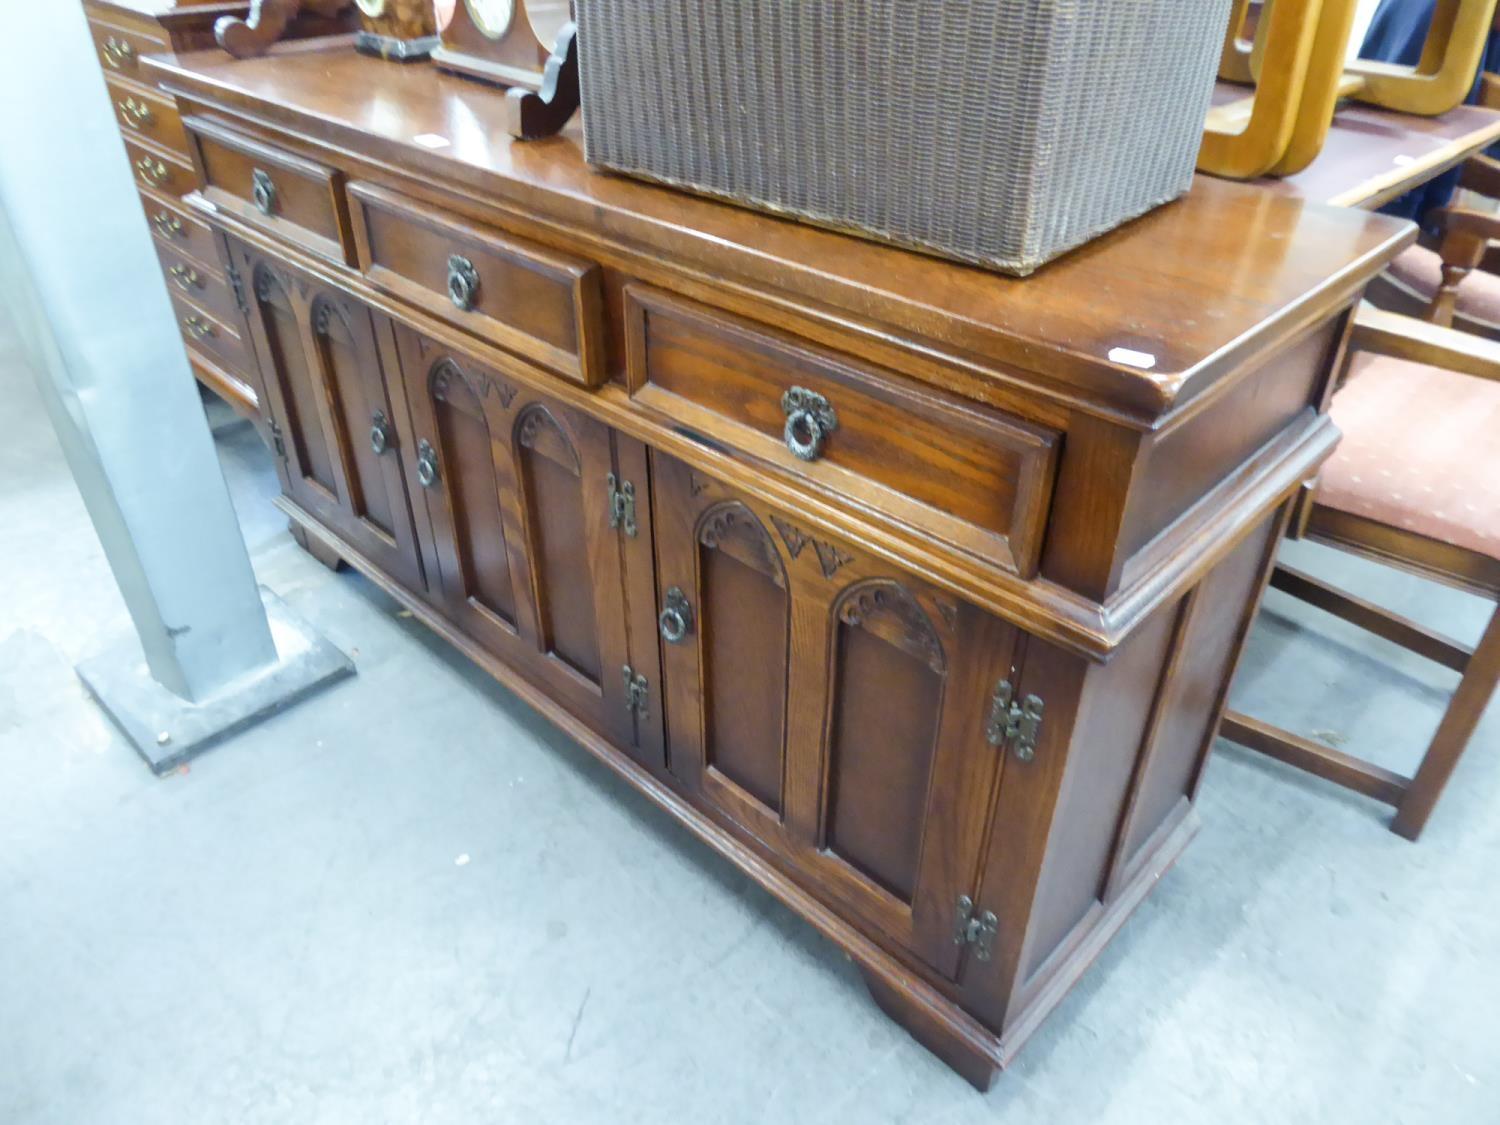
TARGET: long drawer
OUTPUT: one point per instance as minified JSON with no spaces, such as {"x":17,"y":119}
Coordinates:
{"x":542,"y":303}
{"x":912,"y":456}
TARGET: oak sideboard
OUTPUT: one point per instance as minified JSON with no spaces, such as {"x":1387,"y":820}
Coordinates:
{"x":913,"y":590}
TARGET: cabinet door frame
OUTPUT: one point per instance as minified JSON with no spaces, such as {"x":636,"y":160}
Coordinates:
{"x":321,"y":313}
{"x":831,"y":585}
{"x":520,"y":423}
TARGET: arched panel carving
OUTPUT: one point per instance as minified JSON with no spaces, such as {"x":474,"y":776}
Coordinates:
{"x":539,"y":430}
{"x":734,"y":528}
{"x":887,"y":608}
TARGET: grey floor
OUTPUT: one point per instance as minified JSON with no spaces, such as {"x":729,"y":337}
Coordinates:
{"x":410,"y":900}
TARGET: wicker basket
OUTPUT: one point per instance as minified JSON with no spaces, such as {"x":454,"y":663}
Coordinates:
{"x":1001,"y":132}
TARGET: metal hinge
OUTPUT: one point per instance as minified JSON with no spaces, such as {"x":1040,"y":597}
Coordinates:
{"x":277,"y":440}
{"x":978,"y":931}
{"x":621,"y":504}
{"x":637,"y":692}
{"x":1019,"y":724}
{"x":237,"y":283}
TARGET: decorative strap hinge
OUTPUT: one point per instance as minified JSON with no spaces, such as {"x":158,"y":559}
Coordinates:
{"x":974,"y":929}
{"x":237,"y":283}
{"x":277,"y":441}
{"x":1013,"y":723}
{"x":637,"y":692}
{"x":621,"y":504}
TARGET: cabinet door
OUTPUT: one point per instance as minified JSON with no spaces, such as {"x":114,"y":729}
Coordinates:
{"x":518,"y":491}
{"x":331,"y":412}
{"x":832,"y":704}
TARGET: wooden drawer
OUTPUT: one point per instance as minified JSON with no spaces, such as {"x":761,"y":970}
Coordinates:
{"x":913,"y":456}
{"x":542,"y":303}
{"x":148,"y":115}
{"x":159,"y":171}
{"x":285,"y":194}
{"x":175,"y":226}
{"x":210,"y":335}
{"x":119,"y":48}
{"x":203,"y":286}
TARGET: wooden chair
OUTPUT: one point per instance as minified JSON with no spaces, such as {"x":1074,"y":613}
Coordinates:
{"x":1415,"y":484}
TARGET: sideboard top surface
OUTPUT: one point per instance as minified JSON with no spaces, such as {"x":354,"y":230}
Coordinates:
{"x":1139,"y":320}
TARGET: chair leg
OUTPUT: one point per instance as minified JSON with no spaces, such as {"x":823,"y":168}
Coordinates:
{"x":1452,"y":736}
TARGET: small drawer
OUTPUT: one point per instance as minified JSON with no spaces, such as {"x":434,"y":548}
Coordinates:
{"x":284,"y":194}
{"x":208,"y":334}
{"x":120,"y":48}
{"x":178,"y":228}
{"x":159,"y":171}
{"x":905,"y":454}
{"x":147,"y":115}
{"x":541,"y":303}
{"x":203,"y":286}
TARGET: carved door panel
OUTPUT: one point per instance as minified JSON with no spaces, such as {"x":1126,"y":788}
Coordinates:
{"x":529,"y":559}
{"x":834,"y":705}
{"x":330,"y":410}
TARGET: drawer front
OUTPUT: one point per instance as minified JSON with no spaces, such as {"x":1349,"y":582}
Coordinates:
{"x":540,"y":303}
{"x":196,"y":282}
{"x":930,"y":462}
{"x":148,"y":115}
{"x":160,"y":172}
{"x":210,"y":335}
{"x":178,"y":228}
{"x":119,"y":49}
{"x":284,"y":194}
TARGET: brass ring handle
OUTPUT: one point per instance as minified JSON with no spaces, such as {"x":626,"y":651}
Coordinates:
{"x":186,"y":277}
{"x":152,"y":171}
{"x":427,"y":465}
{"x":116,"y":52}
{"x":463,"y":282}
{"x":810,"y":418}
{"x":135,"y":113}
{"x":676,"y":620}
{"x":380,"y":433}
{"x":197,"y":327}
{"x":262,"y":191}
{"x":169,"y":225}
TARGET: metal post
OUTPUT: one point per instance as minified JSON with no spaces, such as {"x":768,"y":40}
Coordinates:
{"x":81,"y":281}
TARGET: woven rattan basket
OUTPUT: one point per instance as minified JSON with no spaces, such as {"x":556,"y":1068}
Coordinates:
{"x":1001,"y":132}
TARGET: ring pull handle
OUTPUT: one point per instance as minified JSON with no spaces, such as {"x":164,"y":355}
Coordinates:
{"x":262,"y":191}
{"x":427,"y":464}
{"x":676,"y":620}
{"x":380,"y":433}
{"x":463,"y":282}
{"x":810,"y":418}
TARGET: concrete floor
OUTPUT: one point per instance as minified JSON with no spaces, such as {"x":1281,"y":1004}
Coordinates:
{"x":411,"y":900}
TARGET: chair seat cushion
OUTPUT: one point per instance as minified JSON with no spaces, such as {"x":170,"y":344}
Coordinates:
{"x":1421,"y":270}
{"x":1421,"y":452}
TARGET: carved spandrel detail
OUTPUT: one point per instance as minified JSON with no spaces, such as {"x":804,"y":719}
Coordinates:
{"x":447,"y":369}
{"x":696,"y":485}
{"x":734,"y":521}
{"x":831,"y":557}
{"x":885,"y":598}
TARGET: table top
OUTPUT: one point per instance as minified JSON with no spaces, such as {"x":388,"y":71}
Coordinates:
{"x":1139,"y":319}
{"x":1373,"y":155}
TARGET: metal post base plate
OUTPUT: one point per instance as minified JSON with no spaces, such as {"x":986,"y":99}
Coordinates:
{"x":167,"y":730}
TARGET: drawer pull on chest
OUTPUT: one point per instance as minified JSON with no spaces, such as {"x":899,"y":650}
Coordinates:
{"x":427,"y":465}
{"x":152,"y":171}
{"x":262,"y":191}
{"x":197,"y":327}
{"x":380,"y":433}
{"x":117,"y":52}
{"x":463,"y":282}
{"x":167,"y":224}
{"x":676,"y":620}
{"x":134,"y":113}
{"x":809,"y":419}
{"x":186,"y":277}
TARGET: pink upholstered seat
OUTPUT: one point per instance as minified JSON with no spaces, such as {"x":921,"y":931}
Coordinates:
{"x":1421,"y":452}
{"x":1421,"y":269}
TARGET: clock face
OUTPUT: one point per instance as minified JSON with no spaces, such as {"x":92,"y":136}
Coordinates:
{"x":492,"y":16}
{"x":372,"y":8}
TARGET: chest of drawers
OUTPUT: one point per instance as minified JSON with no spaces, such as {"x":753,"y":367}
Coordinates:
{"x":914,"y":591}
